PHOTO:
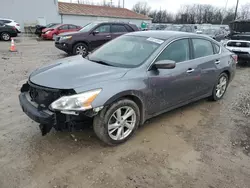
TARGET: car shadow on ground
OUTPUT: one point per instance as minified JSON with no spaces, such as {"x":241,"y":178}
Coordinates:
{"x":86,"y":138}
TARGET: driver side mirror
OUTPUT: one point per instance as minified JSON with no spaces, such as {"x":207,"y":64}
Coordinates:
{"x":165,"y":64}
{"x":95,"y":32}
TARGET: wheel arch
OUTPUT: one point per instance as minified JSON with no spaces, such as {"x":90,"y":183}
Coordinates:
{"x":228,"y":73}
{"x":135,"y":96}
{"x":81,"y":41}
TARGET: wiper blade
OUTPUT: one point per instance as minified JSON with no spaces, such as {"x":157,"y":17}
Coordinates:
{"x":100,"y":62}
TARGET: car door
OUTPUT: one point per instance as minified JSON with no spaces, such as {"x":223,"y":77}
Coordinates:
{"x":208,"y":59}
{"x":100,"y":36}
{"x":171,"y":87}
{"x":1,"y":26}
{"x":118,"y":30}
{"x":63,"y":29}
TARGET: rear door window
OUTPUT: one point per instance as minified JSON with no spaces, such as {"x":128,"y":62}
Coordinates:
{"x":202,"y":48}
{"x":118,"y":29}
{"x":129,"y":28}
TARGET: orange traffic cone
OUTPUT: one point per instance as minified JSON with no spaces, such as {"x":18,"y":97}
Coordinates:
{"x":13,"y":47}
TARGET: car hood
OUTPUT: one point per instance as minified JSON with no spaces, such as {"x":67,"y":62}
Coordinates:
{"x":47,"y":29}
{"x":75,"y":33}
{"x":73,"y":72}
{"x":68,"y":33}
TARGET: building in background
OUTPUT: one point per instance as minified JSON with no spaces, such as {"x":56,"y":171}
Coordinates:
{"x":30,"y":12}
{"x":42,"y":12}
{"x":81,"y":14}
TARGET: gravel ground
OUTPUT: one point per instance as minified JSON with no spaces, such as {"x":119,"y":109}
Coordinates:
{"x":202,"y":145}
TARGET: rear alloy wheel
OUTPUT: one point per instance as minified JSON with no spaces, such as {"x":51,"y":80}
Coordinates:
{"x":80,"y":49}
{"x":220,"y":88}
{"x":5,"y":36}
{"x":118,"y":123}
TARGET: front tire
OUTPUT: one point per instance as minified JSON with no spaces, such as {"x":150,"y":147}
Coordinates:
{"x":220,"y":87}
{"x":5,"y":36}
{"x":118,"y":122}
{"x":80,"y":49}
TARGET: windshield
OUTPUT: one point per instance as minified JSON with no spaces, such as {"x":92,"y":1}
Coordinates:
{"x":53,"y":26}
{"x":88,"y":27}
{"x":126,"y":51}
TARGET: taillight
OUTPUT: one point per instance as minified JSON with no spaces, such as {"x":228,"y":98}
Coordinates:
{"x":14,"y":27}
{"x":17,"y":24}
{"x":235,"y":57}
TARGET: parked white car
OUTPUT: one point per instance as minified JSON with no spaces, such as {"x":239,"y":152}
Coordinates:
{"x":11,"y":23}
{"x":240,"y":47}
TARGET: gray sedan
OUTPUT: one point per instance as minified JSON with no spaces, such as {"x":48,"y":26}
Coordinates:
{"x":127,"y":81}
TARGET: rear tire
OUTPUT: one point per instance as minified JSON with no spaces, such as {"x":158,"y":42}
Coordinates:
{"x":114,"y":129}
{"x":80,"y":49}
{"x":5,"y":36}
{"x":220,"y":87}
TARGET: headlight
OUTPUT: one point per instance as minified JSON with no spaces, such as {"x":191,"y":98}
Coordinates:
{"x":78,"y":102}
{"x":66,"y":37}
{"x":47,"y":32}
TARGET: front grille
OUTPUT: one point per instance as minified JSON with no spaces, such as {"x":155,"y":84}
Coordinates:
{"x":239,"y":44}
{"x":43,"y":97}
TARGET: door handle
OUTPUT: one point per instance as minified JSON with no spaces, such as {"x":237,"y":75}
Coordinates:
{"x":108,"y":36}
{"x":190,"y":70}
{"x":217,"y":62}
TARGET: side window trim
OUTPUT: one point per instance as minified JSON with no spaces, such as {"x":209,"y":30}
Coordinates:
{"x":169,"y":43}
{"x":214,"y":46}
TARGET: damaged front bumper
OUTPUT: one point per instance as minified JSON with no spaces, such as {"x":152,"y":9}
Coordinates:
{"x":48,"y":119}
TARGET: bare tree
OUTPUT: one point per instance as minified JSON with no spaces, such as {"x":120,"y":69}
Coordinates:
{"x":245,"y":11}
{"x":142,"y":8}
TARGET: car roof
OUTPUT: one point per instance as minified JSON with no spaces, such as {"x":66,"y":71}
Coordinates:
{"x":113,"y":22}
{"x":6,"y":19}
{"x":164,"y":35}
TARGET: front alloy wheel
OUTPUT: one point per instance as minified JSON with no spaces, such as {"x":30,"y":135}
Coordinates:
{"x":118,"y":122}
{"x":121,"y":123}
{"x":5,"y":36}
{"x":80,"y":49}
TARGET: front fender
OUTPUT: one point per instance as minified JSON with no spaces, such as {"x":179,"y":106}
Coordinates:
{"x":134,"y":95}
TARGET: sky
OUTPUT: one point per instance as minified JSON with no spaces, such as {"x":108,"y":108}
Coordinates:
{"x":173,"y":5}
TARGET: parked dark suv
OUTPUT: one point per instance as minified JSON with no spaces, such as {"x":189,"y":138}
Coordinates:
{"x":92,"y":36}
{"x":6,"y":32}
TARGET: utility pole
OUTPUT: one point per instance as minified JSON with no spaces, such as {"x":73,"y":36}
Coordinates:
{"x":119,"y":4}
{"x":111,"y":3}
{"x":236,"y":9}
{"x":223,"y":15}
{"x":123,"y":3}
